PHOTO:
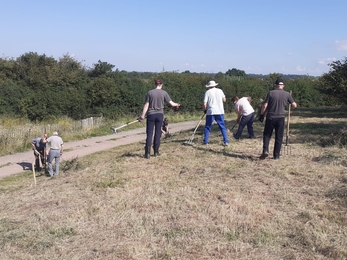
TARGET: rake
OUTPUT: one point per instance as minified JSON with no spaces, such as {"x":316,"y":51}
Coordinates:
{"x":114,"y":129}
{"x":287,"y":148}
{"x":190,"y":140}
{"x":235,"y":124}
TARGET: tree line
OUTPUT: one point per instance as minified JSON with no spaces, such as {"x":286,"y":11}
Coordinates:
{"x":39,"y":87}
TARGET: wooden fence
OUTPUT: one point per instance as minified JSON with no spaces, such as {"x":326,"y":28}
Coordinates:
{"x":31,"y":131}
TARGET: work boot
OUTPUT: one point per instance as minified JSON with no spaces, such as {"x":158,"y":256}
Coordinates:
{"x":156,"y":151}
{"x":147,"y":152}
{"x":264,"y":155}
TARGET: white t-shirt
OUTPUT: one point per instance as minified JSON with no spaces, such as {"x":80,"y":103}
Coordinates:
{"x":244,"y":105}
{"x":214,"y":99}
{"x":56,"y":142}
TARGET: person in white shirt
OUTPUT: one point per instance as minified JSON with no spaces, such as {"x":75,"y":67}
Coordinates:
{"x":55,"y":152}
{"x":245,"y":116}
{"x":214,"y":110}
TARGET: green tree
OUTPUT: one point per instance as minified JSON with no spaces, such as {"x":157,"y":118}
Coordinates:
{"x":101,"y":68}
{"x":236,"y":72}
{"x":334,"y":83}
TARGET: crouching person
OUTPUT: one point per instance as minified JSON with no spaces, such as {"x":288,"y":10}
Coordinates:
{"x":39,"y":147}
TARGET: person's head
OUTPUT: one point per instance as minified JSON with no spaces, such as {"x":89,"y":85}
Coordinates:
{"x":166,"y":120}
{"x":211,"y":84}
{"x":235,"y":99}
{"x":41,"y":140}
{"x":279,"y":83}
{"x":158,"y":82}
{"x":55,"y":133}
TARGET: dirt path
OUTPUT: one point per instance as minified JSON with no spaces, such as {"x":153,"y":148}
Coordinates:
{"x":17,"y":163}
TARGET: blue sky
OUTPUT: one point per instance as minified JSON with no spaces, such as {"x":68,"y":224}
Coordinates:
{"x":257,"y":36}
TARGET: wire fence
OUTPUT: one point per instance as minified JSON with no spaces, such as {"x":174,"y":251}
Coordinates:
{"x":27,"y":132}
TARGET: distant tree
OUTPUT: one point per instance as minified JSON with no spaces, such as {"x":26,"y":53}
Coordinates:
{"x":101,"y":68}
{"x":236,"y":72}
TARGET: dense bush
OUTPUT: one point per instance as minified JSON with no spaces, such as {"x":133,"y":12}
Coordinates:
{"x":38,"y":87}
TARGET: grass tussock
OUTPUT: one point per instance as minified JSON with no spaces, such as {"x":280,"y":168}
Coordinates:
{"x":192,"y":202}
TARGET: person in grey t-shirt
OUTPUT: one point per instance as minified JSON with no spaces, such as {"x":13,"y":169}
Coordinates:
{"x":154,"y":109}
{"x":274,"y":105}
{"x":55,"y":152}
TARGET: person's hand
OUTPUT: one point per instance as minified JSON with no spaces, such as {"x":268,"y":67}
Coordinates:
{"x":205,"y":111}
{"x":261,"y":118}
{"x":140,"y":119}
{"x":238,"y":120}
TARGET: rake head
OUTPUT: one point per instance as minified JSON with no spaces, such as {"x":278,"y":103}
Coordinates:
{"x":114,"y":130}
{"x":189,"y":141}
{"x":287,"y":149}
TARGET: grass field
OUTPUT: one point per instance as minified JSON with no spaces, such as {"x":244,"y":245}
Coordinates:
{"x":192,"y":202}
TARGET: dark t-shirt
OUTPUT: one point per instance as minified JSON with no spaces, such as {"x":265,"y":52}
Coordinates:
{"x":277,"y":100}
{"x":38,"y":144}
{"x":165,"y":124}
{"x":156,"y":99}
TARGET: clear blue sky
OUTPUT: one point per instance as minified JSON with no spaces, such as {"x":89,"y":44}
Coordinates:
{"x":257,"y":36}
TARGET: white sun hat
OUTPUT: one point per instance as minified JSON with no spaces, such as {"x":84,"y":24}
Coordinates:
{"x":212,"y":83}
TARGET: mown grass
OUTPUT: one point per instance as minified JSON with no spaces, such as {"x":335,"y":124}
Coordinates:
{"x":192,"y":202}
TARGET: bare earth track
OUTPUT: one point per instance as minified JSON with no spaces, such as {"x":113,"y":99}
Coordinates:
{"x":17,"y":163}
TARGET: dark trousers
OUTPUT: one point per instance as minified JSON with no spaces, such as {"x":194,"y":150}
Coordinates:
{"x":270,"y":125}
{"x":37,"y":160}
{"x":154,"y":124}
{"x":246,"y":121}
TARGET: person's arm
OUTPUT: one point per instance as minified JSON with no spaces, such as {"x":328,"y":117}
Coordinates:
{"x":224,"y":100}
{"x":239,"y":115}
{"x":261,"y":116}
{"x":263,"y":109}
{"x":144,"y":111}
{"x":294,"y":105}
{"x":174,"y":104}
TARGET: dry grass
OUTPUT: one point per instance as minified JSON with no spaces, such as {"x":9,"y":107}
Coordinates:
{"x":192,"y":202}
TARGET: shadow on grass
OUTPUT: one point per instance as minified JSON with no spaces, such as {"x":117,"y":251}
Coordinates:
{"x":326,"y":112}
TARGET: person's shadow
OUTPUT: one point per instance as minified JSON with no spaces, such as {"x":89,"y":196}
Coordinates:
{"x":26,"y":166}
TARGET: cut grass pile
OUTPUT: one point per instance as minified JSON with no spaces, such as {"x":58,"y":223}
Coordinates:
{"x":192,"y":202}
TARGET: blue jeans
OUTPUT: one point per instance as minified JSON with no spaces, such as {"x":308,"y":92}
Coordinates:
{"x":154,"y":124}
{"x":246,"y":120}
{"x":270,"y":125}
{"x":220,"y":121}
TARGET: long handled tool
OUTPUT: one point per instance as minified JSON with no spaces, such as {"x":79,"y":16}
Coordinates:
{"x":236,"y":124}
{"x":190,"y":140}
{"x":288,"y":148}
{"x":114,"y":129}
{"x":34,"y":164}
